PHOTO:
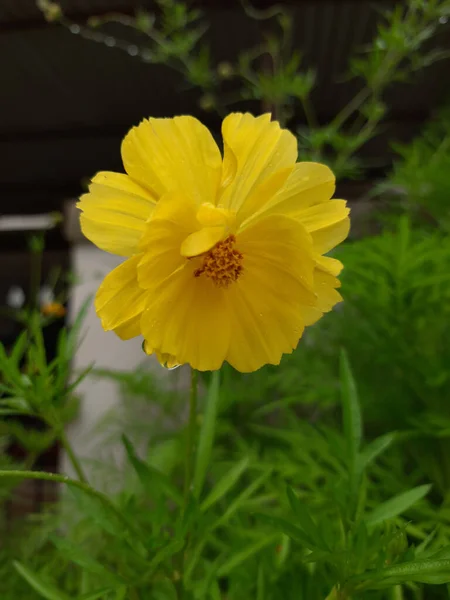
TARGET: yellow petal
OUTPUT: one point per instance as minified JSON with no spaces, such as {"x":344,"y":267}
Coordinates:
{"x":165,"y":360}
{"x":120,"y":301}
{"x":329,"y":265}
{"x":327,"y":238}
{"x":268,"y":299}
{"x":284,"y":244}
{"x":174,"y":154}
{"x":255,"y":148}
{"x":325,"y":286}
{"x":201,"y":241}
{"x":188,"y":317}
{"x":209,"y":215}
{"x":114,"y":213}
{"x":308,"y":184}
{"x":323,"y":215}
{"x":262,"y":195}
{"x":172,"y":222}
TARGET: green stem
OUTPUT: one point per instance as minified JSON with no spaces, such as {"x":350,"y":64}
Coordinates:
{"x":74,"y":483}
{"x":72,"y":456}
{"x":190,"y":437}
{"x":309,"y":112}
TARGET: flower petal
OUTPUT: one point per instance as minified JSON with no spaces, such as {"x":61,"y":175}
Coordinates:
{"x":326,"y":238}
{"x":188,"y":317}
{"x":309,"y":184}
{"x":267,"y":301}
{"x":120,"y":301}
{"x":327,"y":295}
{"x":255,"y":148}
{"x":114,"y":212}
{"x":174,"y":154}
{"x":201,"y":241}
{"x":283,"y":243}
{"x":172,"y":222}
{"x":329,"y":265}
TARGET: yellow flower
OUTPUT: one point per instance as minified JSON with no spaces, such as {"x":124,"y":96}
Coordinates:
{"x":224,"y":254}
{"x":53,"y":309}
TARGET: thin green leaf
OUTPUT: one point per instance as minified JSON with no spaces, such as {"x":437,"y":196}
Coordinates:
{"x":352,"y":425}
{"x":351,"y":410}
{"x":151,"y":479}
{"x":98,"y":595}
{"x":284,"y":526}
{"x":86,"y":561}
{"x":241,"y":499}
{"x":165,"y":553}
{"x":433,"y":572}
{"x":397,"y":505}
{"x":45,"y":589}
{"x":375,"y":448}
{"x":206,"y":435}
{"x":304,"y":520}
{"x":239,"y":557}
{"x":225,"y":484}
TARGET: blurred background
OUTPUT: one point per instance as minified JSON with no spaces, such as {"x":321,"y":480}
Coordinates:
{"x":365,"y":87}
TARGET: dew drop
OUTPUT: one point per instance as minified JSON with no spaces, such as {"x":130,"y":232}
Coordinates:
{"x":443,"y":20}
{"x":133,"y":50}
{"x":74,"y":28}
{"x":110,"y":41}
{"x":171,"y":368}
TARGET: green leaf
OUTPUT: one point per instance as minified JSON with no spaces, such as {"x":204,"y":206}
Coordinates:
{"x":351,"y":410}
{"x":375,"y":448}
{"x":434,"y":572}
{"x":397,"y":505}
{"x":352,"y":424}
{"x":166,"y":552}
{"x":238,"y":502}
{"x":98,"y":595}
{"x":239,"y":557}
{"x":84,"y":559}
{"x":225,"y":484}
{"x":45,"y":589}
{"x":305,"y":521}
{"x":151,"y":479}
{"x":206,"y":435}
{"x":289,"y":529}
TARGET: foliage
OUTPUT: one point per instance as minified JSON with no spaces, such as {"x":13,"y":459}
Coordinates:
{"x":273,"y":74}
{"x":284,"y":494}
{"x":419,"y":183}
{"x":293,"y":516}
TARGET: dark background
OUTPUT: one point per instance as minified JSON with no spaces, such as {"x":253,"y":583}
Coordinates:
{"x":66,"y":102}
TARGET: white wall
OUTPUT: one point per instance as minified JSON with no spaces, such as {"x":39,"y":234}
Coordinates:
{"x":104,"y":349}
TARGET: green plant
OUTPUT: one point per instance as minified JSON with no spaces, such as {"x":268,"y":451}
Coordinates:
{"x":272,"y":73}
{"x":419,"y":184}
{"x":239,"y":533}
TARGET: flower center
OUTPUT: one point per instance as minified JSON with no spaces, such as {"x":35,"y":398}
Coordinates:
{"x":222,"y":264}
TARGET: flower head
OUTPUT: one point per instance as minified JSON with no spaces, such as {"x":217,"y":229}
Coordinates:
{"x":225,"y":254}
{"x":53,"y":309}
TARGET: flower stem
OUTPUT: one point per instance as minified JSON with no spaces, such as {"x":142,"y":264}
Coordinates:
{"x":44,"y":476}
{"x":190,"y":436}
{"x":72,"y":456}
